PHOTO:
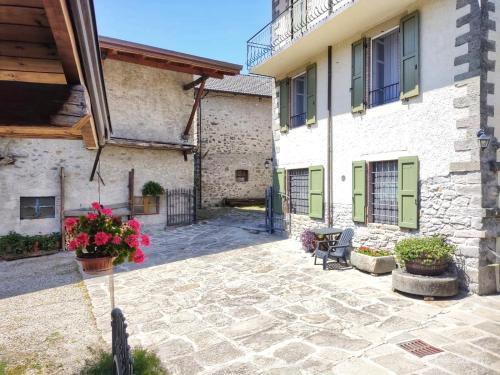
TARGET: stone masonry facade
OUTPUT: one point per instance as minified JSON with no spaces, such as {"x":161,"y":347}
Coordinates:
{"x":234,"y":134}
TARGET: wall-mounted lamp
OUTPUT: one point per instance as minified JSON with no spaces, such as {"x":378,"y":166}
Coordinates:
{"x":268,"y":163}
{"x":484,"y":139}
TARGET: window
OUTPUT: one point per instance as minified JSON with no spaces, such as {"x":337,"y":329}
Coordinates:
{"x":384,"y":192}
{"x":38,"y":207}
{"x":149,"y":205}
{"x":299,"y":191}
{"x":298,"y":115}
{"x":385,"y":69}
{"x":241,"y":175}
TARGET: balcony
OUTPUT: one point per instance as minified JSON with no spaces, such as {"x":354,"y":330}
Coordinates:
{"x":307,"y":27}
{"x":290,"y":25}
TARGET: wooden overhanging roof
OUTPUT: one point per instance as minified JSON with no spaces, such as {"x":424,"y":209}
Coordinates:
{"x":135,"y":53}
{"x":51,"y":83}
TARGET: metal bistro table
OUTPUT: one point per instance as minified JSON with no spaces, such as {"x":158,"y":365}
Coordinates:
{"x":329,"y":234}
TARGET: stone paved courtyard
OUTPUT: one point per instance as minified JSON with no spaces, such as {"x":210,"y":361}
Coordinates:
{"x":213,"y":299}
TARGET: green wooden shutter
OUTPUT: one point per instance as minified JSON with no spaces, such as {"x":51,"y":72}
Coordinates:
{"x":316,"y":187}
{"x":311,"y":94}
{"x":408,"y":192}
{"x":409,"y":42}
{"x":278,"y":190}
{"x":284,"y":104}
{"x":358,"y":76}
{"x":358,"y":191}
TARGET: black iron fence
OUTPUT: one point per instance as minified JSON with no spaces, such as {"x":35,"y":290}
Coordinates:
{"x":181,"y":206}
{"x":123,"y":363}
{"x":300,"y":17}
{"x":277,"y":218}
{"x":387,"y":94}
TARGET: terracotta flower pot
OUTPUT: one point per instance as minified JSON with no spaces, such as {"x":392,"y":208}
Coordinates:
{"x":96,"y":266}
{"x":418,"y":267}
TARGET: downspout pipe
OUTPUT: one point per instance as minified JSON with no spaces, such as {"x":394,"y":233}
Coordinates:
{"x":329,"y":141}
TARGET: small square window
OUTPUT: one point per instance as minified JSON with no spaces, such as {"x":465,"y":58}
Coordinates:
{"x":146,"y":205}
{"x":241,"y":175}
{"x":37,"y":208}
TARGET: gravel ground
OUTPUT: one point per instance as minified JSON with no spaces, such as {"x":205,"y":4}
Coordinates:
{"x":46,"y":324}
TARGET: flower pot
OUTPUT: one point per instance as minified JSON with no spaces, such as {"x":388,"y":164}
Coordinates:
{"x":418,"y":267}
{"x":96,"y":266}
{"x":371,"y":264}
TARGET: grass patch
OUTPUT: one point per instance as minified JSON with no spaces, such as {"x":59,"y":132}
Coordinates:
{"x":146,"y":362}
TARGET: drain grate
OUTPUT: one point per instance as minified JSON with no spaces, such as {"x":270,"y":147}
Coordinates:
{"x":419,"y":348}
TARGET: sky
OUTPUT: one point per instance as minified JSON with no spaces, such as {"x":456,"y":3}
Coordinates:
{"x":216,"y":29}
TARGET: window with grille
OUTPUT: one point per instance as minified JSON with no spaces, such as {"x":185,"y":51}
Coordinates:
{"x":38,"y":207}
{"x":299,"y":191}
{"x":241,"y":175}
{"x":384,"y":192}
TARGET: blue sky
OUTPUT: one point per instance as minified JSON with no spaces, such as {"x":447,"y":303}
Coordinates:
{"x":216,"y":29}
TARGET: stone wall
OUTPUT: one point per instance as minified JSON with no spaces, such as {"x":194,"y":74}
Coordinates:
{"x":145,"y":103}
{"x":235,"y":134}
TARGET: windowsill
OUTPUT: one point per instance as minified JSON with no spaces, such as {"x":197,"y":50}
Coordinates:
{"x":394,"y":227}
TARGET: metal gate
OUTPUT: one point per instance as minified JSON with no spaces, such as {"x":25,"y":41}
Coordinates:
{"x":276,"y":221}
{"x":181,"y":206}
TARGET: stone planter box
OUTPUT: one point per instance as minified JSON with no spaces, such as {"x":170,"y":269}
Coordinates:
{"x":445,"y":285}
{"x":373,"y":265}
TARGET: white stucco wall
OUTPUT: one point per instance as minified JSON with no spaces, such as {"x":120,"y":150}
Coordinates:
{"x":145,"y":103}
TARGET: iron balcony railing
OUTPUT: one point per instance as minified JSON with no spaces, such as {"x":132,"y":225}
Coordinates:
{"x":384,"y":95}
{"x":300,"y":17}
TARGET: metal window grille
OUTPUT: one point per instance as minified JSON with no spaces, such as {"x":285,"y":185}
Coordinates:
{"x":241,"y":175}
{"x":299,"y":191}
{"x":38,"y":207}
{"x":384,"y":194}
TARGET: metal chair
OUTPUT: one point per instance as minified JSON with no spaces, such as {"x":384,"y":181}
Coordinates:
{"x":335,"y":249}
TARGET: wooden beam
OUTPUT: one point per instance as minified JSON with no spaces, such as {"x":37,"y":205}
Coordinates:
{"x":89,"y":134}
{"x":195,"y":107}
{"x":26,"y":49}
{"x":62,"y":30}
{"x":33,"y":77}
{"x":21,"y":15}
{"x":149,"y":145}
{"x":43,"y":132}
{"x":24,"y":3}
{"x":190,"y":85}
{"x":27,"y":64}
{"x":22,"y":33}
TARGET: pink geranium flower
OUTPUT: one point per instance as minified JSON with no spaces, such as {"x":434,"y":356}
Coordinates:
{"x":96,"y":205}
{"x":135,"y":225}
{"x":116,"y":240}
{"x":82,"y":239}
{"x":107,"y":211}
{"x":91,"y":216}
{"x":73,"y":245}
{"x":69,"y":223}
{"x":101,"y":238}
{"x":133,"y":241}
{"x":138,"y":256}
{"x":145,"y":240}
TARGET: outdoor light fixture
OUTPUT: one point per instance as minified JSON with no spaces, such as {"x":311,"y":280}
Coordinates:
{"x":484,"y":139}
{"x":267,"y":163}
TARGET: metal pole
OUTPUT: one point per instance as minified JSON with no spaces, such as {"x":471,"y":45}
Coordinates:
{"x":111,"y":280}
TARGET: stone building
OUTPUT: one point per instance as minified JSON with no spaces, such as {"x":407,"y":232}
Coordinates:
{"x":152,"y":112}
{"x":376,"y":113}
{"x":234,"y":139}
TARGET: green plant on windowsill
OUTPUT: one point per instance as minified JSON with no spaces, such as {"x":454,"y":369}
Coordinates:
{"x":152,"y":188}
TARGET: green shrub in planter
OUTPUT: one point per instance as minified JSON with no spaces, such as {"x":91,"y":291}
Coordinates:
{"x":152,"y":188}
{"x":15,"y":245}
{"x":430,"y":254}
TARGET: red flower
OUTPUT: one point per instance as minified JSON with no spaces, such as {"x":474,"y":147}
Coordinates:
{"x":69,"y":223}
{"x":138,"y":256}
{"x":82,"y":239}
{"x":96,"y":205}
{"x":135,"y":225}
{"x":91,"y":216}
{"x":73,"y":245}
{"x":133,"y":241}
{"x":101,"y":238}
{"x":145,"y":240}
{"x":116,"y":240}
{"x":107,"y":211}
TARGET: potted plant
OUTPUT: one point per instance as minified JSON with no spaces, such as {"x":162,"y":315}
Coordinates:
{"x":308,"y":240}
{"x":427,"y":256}
{"x":374,"y":261}
{"x":101,"y":241}
{"x":150,"y":192}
